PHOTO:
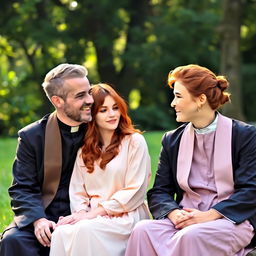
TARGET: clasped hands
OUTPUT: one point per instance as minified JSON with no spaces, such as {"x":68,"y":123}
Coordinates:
{"x":182,"y":218}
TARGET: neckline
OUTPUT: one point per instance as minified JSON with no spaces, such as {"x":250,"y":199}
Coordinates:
{"x":209,"y":128}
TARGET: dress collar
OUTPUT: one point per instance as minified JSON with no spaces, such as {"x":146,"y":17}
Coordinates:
{"x":210,"y":128}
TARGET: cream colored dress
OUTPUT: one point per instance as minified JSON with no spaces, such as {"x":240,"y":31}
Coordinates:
{"x":120,"y":189}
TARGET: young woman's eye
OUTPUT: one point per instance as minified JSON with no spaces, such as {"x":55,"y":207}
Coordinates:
{"x":115,"y":108}
{"x":103,"y":110}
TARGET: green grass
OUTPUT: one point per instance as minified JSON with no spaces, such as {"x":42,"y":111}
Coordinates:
{"x":154,"y":145}
{"x":7,"y":154}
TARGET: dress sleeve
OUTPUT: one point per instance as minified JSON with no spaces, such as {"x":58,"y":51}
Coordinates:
{"x":79,"y":199}
{"x":136,"y":179}
{"x":161,"y":195}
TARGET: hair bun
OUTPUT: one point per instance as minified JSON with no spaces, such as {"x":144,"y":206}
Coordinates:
{"x":222,"y":83}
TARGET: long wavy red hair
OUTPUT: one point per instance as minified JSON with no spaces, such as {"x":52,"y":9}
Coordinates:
{"x":91,"y":150}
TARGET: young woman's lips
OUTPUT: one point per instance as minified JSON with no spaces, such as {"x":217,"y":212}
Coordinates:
{"x":111,"y":121}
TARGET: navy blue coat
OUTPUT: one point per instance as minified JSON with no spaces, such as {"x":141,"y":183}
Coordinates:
{"x":28,"y":173}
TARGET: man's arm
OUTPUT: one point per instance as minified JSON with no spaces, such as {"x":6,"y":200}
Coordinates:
{"x":25,"y":191}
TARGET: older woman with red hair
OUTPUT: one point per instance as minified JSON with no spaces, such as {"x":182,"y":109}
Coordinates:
{"x":108,"y":184}
{"x":204,"y":196}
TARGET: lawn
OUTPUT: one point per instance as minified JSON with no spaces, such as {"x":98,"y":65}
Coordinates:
{"x":7,"y":154}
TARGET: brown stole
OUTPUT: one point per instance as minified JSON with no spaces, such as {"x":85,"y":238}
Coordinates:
{"x":52,"y":159}
{"x":223,"y":170}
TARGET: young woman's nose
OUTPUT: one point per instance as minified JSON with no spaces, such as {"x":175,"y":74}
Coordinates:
{"x":111,"y":112}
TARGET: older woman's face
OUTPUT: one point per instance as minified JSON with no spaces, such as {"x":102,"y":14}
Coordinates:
{"x":185,"y":105}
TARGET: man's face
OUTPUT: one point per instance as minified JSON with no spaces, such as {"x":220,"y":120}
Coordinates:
{"x":77,"y":104}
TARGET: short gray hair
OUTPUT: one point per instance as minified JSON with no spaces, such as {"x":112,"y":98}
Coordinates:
{"x":55,"y":78}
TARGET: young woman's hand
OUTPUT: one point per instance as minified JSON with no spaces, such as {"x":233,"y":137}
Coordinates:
{"x":81,"y":215}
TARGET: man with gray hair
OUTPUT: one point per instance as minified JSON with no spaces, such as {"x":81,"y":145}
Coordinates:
{"x":44,"y":162}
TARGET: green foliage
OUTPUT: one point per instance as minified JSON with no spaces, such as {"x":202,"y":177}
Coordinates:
{"x":152,"y":118}
{"x":249,"y":91}
{"x":7,"y":153}
{"x":130,"y":44}
{"x":17,"y":109}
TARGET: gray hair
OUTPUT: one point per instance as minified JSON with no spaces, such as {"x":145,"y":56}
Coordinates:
{"x":55,"y":78}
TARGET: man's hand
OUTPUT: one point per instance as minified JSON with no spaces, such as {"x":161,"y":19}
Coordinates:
{"x":42,"y":230}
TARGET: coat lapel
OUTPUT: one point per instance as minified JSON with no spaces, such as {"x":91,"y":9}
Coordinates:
{"x":184,"y":161}
{"x":223,"y":171}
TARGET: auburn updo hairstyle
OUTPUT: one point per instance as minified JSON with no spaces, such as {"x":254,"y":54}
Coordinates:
{"x":200,"y":80}
{"x":92,"y":148}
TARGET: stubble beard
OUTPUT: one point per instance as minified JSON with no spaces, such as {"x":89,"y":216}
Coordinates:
{"x":77,"y":116}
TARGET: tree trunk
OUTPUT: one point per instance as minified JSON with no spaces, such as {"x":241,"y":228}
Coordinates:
{"x":230,"y":55}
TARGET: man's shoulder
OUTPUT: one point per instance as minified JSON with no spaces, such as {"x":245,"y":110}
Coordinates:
{"x":35,"y":127}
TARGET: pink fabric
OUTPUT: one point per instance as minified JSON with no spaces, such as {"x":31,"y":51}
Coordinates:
{"x":201,"y":178}
{"x":205,"y":174}
{"x":215,"y":238}
{"x":222,"y":165}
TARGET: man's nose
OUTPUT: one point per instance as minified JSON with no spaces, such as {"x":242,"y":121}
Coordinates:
{"x":89,"y":99}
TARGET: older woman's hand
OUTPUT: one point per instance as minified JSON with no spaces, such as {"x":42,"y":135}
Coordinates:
{"x":179,"y":215}
{"x":197,"y":216}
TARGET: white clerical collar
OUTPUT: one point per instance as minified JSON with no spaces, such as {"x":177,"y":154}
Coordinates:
{"x":74,"y":129}
{"x":210,"y":128}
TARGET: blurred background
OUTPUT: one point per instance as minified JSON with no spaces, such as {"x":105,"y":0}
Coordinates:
{"x":131,"y":44}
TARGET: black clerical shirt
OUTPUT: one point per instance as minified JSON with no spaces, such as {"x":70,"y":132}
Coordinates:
{"x":71,"y":142}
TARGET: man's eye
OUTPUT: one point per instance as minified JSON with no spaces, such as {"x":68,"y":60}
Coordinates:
{"x":79,"y":96}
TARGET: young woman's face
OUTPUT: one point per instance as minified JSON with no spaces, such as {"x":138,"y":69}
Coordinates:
{"x":184,"y":103}
{"x":108,"y":115}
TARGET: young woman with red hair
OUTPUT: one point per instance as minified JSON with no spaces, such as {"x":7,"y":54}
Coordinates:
{"x":108,"y":183}
{"x":204,"y":196}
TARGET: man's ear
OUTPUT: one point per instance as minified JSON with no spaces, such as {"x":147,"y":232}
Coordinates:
{"x":57,"y":101}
